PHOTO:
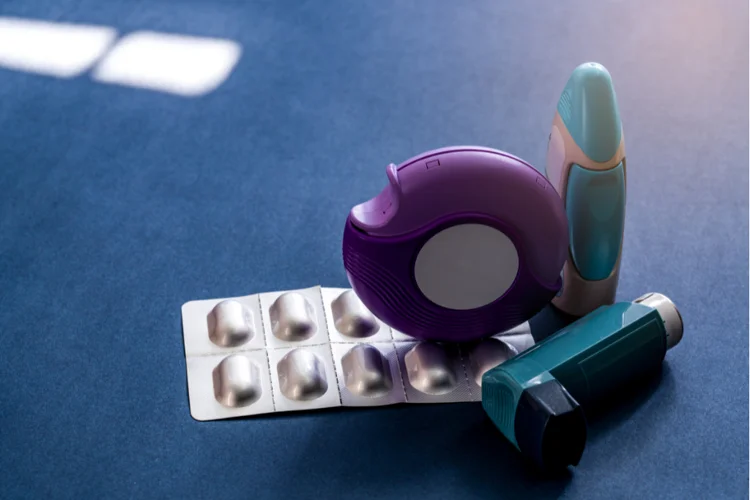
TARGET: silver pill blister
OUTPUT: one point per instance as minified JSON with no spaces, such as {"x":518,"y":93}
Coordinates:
{"x":351,"y":318}
{"x":348,"y":319}
{"x":303,"y":378}
{"x":519,"y":337}
{"x":237,"y":381}
{"x":294,"y":318}
{"x":484,"y":355}
{"x":221,"y":326}
{"x":318,"y":348}
{"x":429,"y":370}
{"x":433,"y":372}
{"x":230,"y":324}
{"x":488,"y":354}
{"x":226,"y":386}
{"x":368,"y":374}
{"x":302,"y":375}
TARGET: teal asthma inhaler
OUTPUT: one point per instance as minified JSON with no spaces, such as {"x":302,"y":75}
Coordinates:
{"x":586,"y":165}
{"x":536,"y":399}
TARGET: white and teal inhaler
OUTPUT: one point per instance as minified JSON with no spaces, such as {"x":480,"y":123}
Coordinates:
{"x":586,"y":165}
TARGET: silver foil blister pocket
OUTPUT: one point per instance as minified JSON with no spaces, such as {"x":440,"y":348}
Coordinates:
{"x":319,"y":348}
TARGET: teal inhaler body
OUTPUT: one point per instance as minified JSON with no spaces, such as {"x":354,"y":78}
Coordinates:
{"x":586,"y":165}
{"x":537,"y":398}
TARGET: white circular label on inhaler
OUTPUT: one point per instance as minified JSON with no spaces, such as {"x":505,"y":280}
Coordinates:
{"x":466,"y":266}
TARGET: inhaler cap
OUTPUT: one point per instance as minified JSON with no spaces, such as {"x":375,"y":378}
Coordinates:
{"x":669,"y":314}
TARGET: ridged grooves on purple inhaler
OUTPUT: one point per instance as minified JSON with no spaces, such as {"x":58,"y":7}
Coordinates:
{"x":398,"y":302}
{"x":432,"y":192}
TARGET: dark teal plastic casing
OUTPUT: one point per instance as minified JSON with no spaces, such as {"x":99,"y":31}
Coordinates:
{"x":576,"y":366}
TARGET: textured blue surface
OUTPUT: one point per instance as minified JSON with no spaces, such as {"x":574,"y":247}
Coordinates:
{"x":595,"y":206}
{"x":588,"y":107}
{"x":118,"y":205}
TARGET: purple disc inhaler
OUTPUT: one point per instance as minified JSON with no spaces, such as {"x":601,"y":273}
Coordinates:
{"x":463,"y":243}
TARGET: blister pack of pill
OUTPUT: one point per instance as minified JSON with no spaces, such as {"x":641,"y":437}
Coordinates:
{"x":318,"y":348}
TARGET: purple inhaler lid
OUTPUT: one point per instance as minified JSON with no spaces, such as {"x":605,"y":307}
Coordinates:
{"x":463,"y":243}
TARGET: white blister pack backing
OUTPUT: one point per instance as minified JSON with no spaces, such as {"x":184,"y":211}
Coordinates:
{"x":320,"y":348}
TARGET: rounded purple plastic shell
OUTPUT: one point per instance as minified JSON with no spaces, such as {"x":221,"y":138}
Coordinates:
{"x":440,"y":189}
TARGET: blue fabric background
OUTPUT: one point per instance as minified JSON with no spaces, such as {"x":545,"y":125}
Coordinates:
{"x":117,"y":205}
